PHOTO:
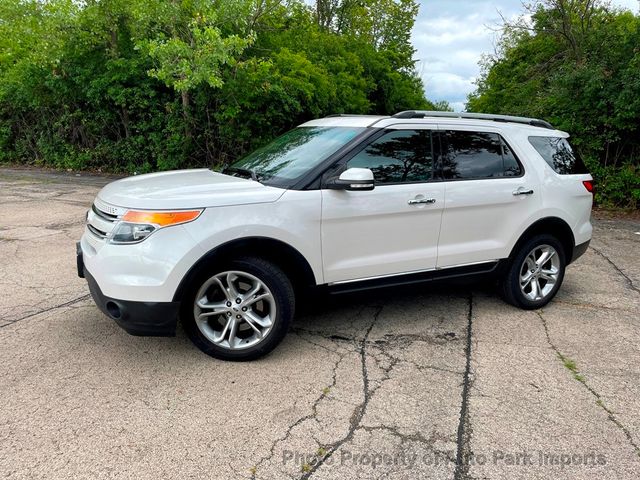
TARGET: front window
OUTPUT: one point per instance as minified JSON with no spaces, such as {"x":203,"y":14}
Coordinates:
{"x":289,"y":157}
{"x":400,"y":156}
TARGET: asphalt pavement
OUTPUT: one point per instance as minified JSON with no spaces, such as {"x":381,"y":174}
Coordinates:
{"x":423,"y":382}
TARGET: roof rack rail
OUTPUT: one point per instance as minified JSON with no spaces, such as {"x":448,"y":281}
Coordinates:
{"x":475,"y":116}
{"x":348,"y":115}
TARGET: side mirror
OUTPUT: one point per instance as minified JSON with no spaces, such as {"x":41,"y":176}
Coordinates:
{"x":353,"y":179}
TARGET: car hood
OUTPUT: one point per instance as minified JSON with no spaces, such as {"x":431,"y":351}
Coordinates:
{"x":181,"y":189}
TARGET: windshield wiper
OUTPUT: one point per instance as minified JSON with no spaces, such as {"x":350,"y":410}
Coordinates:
{"x":245,"y":172}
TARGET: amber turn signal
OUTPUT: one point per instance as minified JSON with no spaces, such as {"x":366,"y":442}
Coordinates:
{"x":162,"y":219}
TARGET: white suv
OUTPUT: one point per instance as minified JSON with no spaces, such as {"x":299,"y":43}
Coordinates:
{"x":347,"y":202}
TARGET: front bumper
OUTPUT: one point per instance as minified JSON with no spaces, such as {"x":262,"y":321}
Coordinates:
{"x":136,"y":318}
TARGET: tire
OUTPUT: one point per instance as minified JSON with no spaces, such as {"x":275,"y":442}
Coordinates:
{"x":546,"y":278}
{"x":240,"y":311}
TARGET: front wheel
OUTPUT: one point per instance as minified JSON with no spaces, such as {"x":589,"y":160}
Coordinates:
{"x":535,"y":274}
{"x":241,"y":312}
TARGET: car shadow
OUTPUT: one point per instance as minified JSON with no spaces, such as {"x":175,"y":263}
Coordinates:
{"x":320,"y":301}
{"x":319,"y":310}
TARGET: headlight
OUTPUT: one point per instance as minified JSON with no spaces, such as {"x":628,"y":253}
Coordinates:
{"x":136,"y":225}
{"x":132,"y":232}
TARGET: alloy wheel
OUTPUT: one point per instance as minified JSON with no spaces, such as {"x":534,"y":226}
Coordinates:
{"x":234,"y":310}
{"x":539,"y":272}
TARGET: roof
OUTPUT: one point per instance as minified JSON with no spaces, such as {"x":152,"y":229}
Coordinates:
{"x":423,"y":116}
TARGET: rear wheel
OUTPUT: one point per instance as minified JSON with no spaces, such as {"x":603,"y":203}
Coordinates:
{"x":535,"y":274}
{"x":241,"y":312}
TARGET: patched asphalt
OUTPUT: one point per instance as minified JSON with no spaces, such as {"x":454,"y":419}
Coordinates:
{"x":423,"y":382}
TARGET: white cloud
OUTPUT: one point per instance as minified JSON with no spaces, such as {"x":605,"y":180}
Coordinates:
{"x":448,"y":85}
{"x":450,"y":36}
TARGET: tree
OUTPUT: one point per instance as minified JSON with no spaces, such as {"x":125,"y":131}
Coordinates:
{"x":385,"y":24}
{"x":143,"y":85}
{"x":575,"y":63}
{"x":193,"y":57}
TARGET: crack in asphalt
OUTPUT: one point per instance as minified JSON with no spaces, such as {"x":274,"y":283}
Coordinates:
{"x":360,"y":410}
{"x":407,"y":339}
{"x":463,"y":453}
{"x":317,"y":333}
{"x":313,"y":415}
{"x":386,"y":341}
{"x":55,"y":307}
{"x":630,"y":283}
{"x":414,"y":437}
{"x":367,"y":349}
{"x":314,"y":408}
{"x":381,"y":345}
{"x":599,"y":401}
{"x":299,"y":332}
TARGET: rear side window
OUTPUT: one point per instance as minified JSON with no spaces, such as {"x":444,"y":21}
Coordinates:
{"x":511,"y":166}
{"x":399,"y":156}
{"x":476,"y":155}
{"x":559,"y":155}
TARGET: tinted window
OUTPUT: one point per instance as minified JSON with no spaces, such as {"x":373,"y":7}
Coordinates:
{"x":511,"y":166}
{"x":473,"y":155}
{"x":559,"y":155}
{"x":397,"y":157}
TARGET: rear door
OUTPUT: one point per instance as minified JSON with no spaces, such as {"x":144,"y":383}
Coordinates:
{"x":394,"y":228}
{"x":488,"y":195}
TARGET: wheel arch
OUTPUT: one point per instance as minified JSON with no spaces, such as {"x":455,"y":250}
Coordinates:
{"x":288,"y":258}
{"x":550,"y":225}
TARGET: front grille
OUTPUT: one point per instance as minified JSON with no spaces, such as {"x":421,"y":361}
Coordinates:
{"x":98,"y":233}
{"x":108,"y":209}
{"x":102,"y":218}
{"x":104,"y":215}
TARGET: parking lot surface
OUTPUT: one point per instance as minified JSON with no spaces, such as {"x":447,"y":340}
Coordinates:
{"x":426,"y":382}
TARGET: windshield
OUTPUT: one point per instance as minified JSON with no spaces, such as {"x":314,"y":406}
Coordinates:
{"x":295,"y":153}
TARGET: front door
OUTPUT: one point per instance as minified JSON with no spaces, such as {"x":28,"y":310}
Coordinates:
{"x":394,"y":228}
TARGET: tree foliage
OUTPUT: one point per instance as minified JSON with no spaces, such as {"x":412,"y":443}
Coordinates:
{"x":577,"y":64}
{"x":140,"y":85}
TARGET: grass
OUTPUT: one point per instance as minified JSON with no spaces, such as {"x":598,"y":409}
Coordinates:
{"x":572,"y":367}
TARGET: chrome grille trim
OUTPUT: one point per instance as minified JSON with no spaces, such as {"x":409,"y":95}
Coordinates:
{"x":103,"y":218}
{"x":98,"y":233}
{"x":104,"y":215}
{"x":109,"y":209}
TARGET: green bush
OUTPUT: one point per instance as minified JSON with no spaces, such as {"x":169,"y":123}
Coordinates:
{"x":577,"y":64}
{"x":145,"y":85}
{"x":616,"y":187}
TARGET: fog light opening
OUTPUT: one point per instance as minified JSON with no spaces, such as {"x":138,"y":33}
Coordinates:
{"x":113,"y":309}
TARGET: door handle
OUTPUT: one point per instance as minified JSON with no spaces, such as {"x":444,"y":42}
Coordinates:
{"x":418,"y":201}
{"x":522,"y":191}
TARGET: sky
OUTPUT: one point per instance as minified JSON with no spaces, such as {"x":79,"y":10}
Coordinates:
{"x":450,"y":36}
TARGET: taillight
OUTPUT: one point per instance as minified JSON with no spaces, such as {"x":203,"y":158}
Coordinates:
{"x":588,"y":184}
